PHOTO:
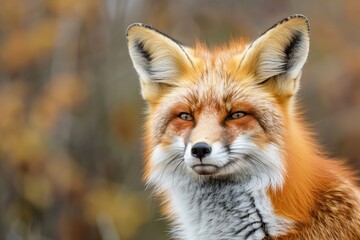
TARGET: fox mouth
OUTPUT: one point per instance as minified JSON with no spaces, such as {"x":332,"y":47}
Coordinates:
{"x":205,"y":169}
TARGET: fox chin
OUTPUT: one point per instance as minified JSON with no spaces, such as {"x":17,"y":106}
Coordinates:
{"x":226,"y":148}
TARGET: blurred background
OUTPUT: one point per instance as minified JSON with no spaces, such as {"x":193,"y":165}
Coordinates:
{"x":71,"y":112}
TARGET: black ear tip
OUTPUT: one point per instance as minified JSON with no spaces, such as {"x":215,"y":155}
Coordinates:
{"x":294,"y":16}
{"x":131,"y":26}
{"x":143,"y":25}
{"x":298,"y":16}
{"x":306,"y":20}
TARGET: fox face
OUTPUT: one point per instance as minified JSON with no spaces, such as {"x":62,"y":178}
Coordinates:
{"x":219,"y":113}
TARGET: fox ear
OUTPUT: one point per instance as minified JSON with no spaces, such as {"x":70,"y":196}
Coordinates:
{"x":279,"y":54}
{"x":158,"y":59}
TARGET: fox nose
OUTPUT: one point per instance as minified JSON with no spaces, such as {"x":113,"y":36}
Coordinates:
{"x":200,"y":150}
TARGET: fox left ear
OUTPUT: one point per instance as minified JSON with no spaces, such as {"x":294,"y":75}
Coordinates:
{"x":159,"y":60}
{"x":277,"y":57}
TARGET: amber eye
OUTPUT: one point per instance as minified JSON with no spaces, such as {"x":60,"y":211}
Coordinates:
{"x":186,"y":116}
{"x":236,"y":115}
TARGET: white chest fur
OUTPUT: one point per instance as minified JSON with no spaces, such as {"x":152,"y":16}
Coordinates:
{"x":216,"y":210}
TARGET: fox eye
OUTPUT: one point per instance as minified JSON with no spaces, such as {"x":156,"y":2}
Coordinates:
{"x":236,"y":115}
{"x":186,"y":116}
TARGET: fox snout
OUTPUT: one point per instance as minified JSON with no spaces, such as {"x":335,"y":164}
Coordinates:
{"x":200,"y":150}
{"x":201,"y":155}
{"x":204,"y":158}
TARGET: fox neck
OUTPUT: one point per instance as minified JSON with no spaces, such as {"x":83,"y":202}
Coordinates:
{"x":220,"y":209}
{"x":306,"y":174}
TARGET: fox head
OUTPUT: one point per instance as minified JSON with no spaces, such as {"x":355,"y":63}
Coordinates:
{"x":222,"y":112}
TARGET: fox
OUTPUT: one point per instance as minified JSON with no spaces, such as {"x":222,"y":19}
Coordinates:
{"x":227,"y":150}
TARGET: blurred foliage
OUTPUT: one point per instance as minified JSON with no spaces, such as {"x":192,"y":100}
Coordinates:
{"x":70,"y":109}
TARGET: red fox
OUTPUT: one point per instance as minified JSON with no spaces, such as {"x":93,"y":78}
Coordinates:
{"x":226,"y":148}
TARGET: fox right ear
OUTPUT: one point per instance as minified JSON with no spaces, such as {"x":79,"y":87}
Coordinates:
{"x":158,"y":59}
{"x":277,"y":57}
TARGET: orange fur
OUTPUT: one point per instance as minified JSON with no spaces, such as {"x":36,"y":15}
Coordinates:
{"x":210,"y":84}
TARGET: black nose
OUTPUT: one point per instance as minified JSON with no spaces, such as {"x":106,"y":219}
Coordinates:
{"x":200,"y":150}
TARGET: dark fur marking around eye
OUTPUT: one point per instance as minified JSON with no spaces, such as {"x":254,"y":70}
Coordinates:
{"x":291,"y":49}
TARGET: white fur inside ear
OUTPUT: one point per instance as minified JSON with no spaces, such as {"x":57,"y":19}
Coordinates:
{"x":159,"y":60}
{"x":153,"y":63}
{"x":140,"y":62}
{"x":283,"y":56}
{"x":156,"y":57}
{"x":282,"y":50}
